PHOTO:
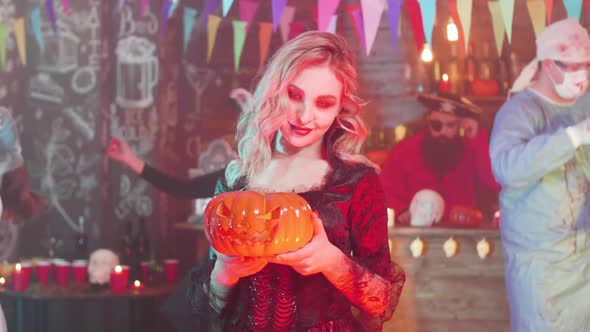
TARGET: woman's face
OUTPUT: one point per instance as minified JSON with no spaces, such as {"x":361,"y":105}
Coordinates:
{"x":314,"y":101}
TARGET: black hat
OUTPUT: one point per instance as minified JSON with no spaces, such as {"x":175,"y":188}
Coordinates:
{"x":449,"y":103}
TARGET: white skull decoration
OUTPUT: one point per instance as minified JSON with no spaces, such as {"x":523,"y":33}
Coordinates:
{"x":426,"y":208}
{"x":102,"y":262}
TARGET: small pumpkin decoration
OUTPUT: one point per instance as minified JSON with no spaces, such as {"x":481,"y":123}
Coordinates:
{"x":462,"y":216}
{"x":249,"y":223}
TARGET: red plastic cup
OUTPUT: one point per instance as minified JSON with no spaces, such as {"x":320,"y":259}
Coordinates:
{"x":21,"y":277}
{"x":119,"y":279}
{"x":144,"y":272}
{"x":171,"y":269}
{"x":79,"y":271}
{"x":62,"y":272}
{"x":43,"y":269}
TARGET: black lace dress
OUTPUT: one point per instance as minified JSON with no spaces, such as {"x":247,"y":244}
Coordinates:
{"x":278,"y":298}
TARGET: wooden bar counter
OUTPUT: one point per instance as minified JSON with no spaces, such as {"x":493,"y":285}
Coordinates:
{"x":459,"y":293}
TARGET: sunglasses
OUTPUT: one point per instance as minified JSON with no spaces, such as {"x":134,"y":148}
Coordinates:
{"x":437,"y":125}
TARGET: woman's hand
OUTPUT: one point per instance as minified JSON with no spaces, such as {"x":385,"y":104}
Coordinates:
{"x":229,"y":269}
{"x":319,"y":255}
{"x":121,"y":152}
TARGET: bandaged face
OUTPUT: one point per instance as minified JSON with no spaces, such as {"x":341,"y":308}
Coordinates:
{"x":574,"y":82}
{"x":426,"y":208}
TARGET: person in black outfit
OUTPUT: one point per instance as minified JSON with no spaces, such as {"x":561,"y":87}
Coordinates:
{"x":197,"y":187}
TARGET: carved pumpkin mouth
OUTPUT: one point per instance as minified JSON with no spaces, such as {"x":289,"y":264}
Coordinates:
{"x":248,"y":229}
{"x":250,"y":238}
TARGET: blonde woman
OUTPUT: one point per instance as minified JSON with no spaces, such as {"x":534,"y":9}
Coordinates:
{"x":302,"y":134}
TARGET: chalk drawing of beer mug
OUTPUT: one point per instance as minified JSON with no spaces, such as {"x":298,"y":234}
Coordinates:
{"x":137,"y":72}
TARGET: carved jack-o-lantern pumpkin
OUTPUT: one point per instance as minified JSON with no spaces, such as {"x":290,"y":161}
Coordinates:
{"x":248,"y":223}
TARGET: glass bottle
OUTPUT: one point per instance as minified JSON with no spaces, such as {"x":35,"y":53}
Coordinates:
{"x":470,"y":69}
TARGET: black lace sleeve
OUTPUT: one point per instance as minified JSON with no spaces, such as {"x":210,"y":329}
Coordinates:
{"x":197,"y":187}
{"x":370,"y":245}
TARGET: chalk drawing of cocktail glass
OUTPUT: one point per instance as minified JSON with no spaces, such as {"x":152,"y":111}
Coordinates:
{"x":137,"y":72}
{"x":199,"y":79}
{"x":61,"y":49}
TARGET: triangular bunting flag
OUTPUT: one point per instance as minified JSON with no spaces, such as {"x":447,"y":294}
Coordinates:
{"x":212,"y":27}
{"x":66,"y":5}
{"x":208,"y":9}
{"x":173,"y":7}
{"x":145,"y":4}
{"x":285,"y":25}
{"x":277,"y":11}
{"x":393,"y":12}
{"x":296,"y":28}
{"x":497,"y":24}
{"x":372,"y":11}
{"x":326,"y":10}
{"x":164,"y":14}
{"x":454,"y":13}
{"x":464,"y":8}
{"x":19,"y":33}
{"x":428,"y":10}
{"x":356,"y":18}
{"x":3,"y":39}
{"x":36,"y":23}
{"x":573,"y":8}
{"x":264,"y":36}
{"x":549,"y":9}
{"x":413,"y":10}
{"x":333,"y":24}
{"x":248,"y":11}
{"x":188,"y":21}
{"x":537,"y":14}
{"x":51,"y":14}
{"x":507,"y":7}
{"x":226,"y":5}
{"x":239,"y":39}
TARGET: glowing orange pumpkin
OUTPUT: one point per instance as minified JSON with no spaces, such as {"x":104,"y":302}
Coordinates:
{"x":249,"y":223}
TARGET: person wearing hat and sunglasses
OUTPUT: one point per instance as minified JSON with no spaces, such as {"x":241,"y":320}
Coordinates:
{"x":449,"y":156}
{"x":540,"y":150}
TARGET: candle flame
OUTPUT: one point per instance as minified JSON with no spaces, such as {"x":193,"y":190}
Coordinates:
{"x":137,"y":283}
{"x":426,"y":55}
{"x":18,"y":267}
{"x":2,"y":281}
{"x":445,"y":77}
{"x":118,"y":269}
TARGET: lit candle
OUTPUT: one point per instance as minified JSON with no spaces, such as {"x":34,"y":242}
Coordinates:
{"x":21,"y":275}
{"x":137,"y":285}
{"x":2,"y":281}
{"x":118,"y":280}
{"x":444,"y":85}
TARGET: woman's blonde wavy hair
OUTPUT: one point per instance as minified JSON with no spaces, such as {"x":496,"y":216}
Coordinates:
{"x":260,"y":121}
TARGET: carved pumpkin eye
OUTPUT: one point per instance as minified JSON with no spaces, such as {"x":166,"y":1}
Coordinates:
{"x":273,"y":214}
{"x":224,"y":211}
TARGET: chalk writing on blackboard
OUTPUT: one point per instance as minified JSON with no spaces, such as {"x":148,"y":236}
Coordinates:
{"x":133,"y":199}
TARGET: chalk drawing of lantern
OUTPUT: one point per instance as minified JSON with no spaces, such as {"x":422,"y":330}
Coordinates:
{"x":137,"y":72}
{"x":61,"y":49}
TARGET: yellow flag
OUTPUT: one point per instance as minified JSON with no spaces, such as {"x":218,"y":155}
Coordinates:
{"x":464,"y":8}
{"x":537,"y":14}
{"x":19,"y":31}
{"x":212,"y":27}
{"x":497,"y":24}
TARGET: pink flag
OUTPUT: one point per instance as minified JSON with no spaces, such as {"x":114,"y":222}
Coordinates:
{"x":326,"y":9}
{"x":247,"y":11}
